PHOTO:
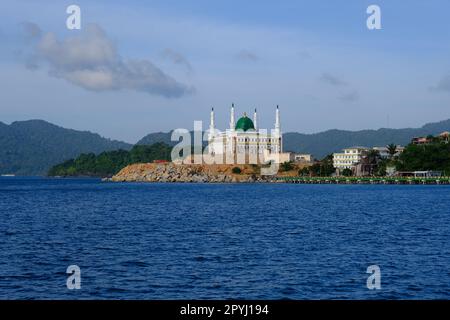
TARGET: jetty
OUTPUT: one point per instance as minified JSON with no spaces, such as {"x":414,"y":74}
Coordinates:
{"x":365,"y":180}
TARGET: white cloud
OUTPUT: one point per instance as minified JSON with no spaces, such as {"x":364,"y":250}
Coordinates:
{"x":90,"y":60}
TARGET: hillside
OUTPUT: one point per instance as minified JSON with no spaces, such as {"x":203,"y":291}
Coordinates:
{"x":109,"y":163}
{"x":155,"y":137}
{"x":431,"y":156}
{"x":324,"y":143}
{"x":32,"y":147}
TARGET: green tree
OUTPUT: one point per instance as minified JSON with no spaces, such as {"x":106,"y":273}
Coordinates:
{"x":109,"y":163}
{"x":432,"y":156}
{"x":373,"y":156}
{"x":324,"y":167}
{"x":392,"y":150}
{"x":381,"y":168}
{"x":286,"y":166}
{"x":371,"y":161}
{"x":236,"y":170}
{"x":303,"y":172}
{"x":347,"y":172}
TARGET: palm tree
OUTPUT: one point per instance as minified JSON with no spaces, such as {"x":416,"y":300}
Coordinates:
{"x":392,"y":150}
{"x":371,"y":160}
{"x":373,"y":156}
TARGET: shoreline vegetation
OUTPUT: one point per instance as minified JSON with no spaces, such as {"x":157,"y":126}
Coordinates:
{"x":32,"y":147}
{"x":152,"y":164}
{"x":107,"y":164}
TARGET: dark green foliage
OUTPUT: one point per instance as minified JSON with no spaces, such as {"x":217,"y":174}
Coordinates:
{"x":303,"y":172}
{"x":256,"y":169}
{"x":347,"y":172}
{"x":381,"y":167}
{"x":433,"y":156}
{"x":108,"y":163}
{"x":371,"y":162}
{"x":372,"y":157}
{"x":236,"y":170}
{"x":32,"y":147}
{"x":286,"y":166}
{"x":392,"y":149}
{"x":323,"y":168}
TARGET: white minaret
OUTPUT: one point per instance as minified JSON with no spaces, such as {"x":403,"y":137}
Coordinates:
{"x":255,"y":120}
{"x":278,"y":131}
{"x":277,"y":121}
{"x":211,"y":121}
{"x":232,"y":118}
{"x":211,"y":126}
{"x":211,"y":133}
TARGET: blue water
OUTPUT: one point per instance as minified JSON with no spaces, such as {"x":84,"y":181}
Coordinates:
{"x":220,"y":241}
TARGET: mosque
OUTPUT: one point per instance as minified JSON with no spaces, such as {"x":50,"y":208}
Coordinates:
{"x":244,"y":142}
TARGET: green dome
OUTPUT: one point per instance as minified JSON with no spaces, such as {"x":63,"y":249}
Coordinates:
{"x":245,"y":124}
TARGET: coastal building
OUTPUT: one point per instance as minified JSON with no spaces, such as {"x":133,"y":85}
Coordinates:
{"x":421,"y":140}
{"x":384,"y":151}
{"x":245,"y":142}
{"x":420,"y":174}
{"x":281,"y":157}
{"x":300,"y":157}
{"x":348,"y":158}
{"x":288,"y":157}
{"x":445,"y":136}
{"x":355,"y":158}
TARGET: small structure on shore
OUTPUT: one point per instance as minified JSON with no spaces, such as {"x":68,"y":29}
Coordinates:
{"x":420,"y":174}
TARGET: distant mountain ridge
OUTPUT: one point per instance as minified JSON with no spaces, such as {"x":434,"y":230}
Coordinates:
{"x":323,"y":143}
{"x":155,"y":137}
{"x":326,"y":142}
{"x":31,"y":147}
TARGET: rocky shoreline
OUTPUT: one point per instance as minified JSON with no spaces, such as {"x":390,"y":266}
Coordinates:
{"x":193,"y":173}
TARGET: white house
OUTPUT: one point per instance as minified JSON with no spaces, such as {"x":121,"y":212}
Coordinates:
{"x":348,"y":157}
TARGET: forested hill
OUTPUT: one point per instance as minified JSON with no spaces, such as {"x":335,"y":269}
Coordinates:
{"x":32,"y":147}
{"x":323,"y":143}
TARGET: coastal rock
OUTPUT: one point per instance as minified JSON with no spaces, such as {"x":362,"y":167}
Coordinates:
{"x":170,"y":172}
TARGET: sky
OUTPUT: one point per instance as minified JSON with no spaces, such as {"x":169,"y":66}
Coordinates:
{"x":138,"y":67}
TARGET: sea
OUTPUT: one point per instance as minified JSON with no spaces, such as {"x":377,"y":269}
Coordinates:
{"x":222,"y":241}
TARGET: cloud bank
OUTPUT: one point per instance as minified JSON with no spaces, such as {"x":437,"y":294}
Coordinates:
{"x":90,"y":60}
